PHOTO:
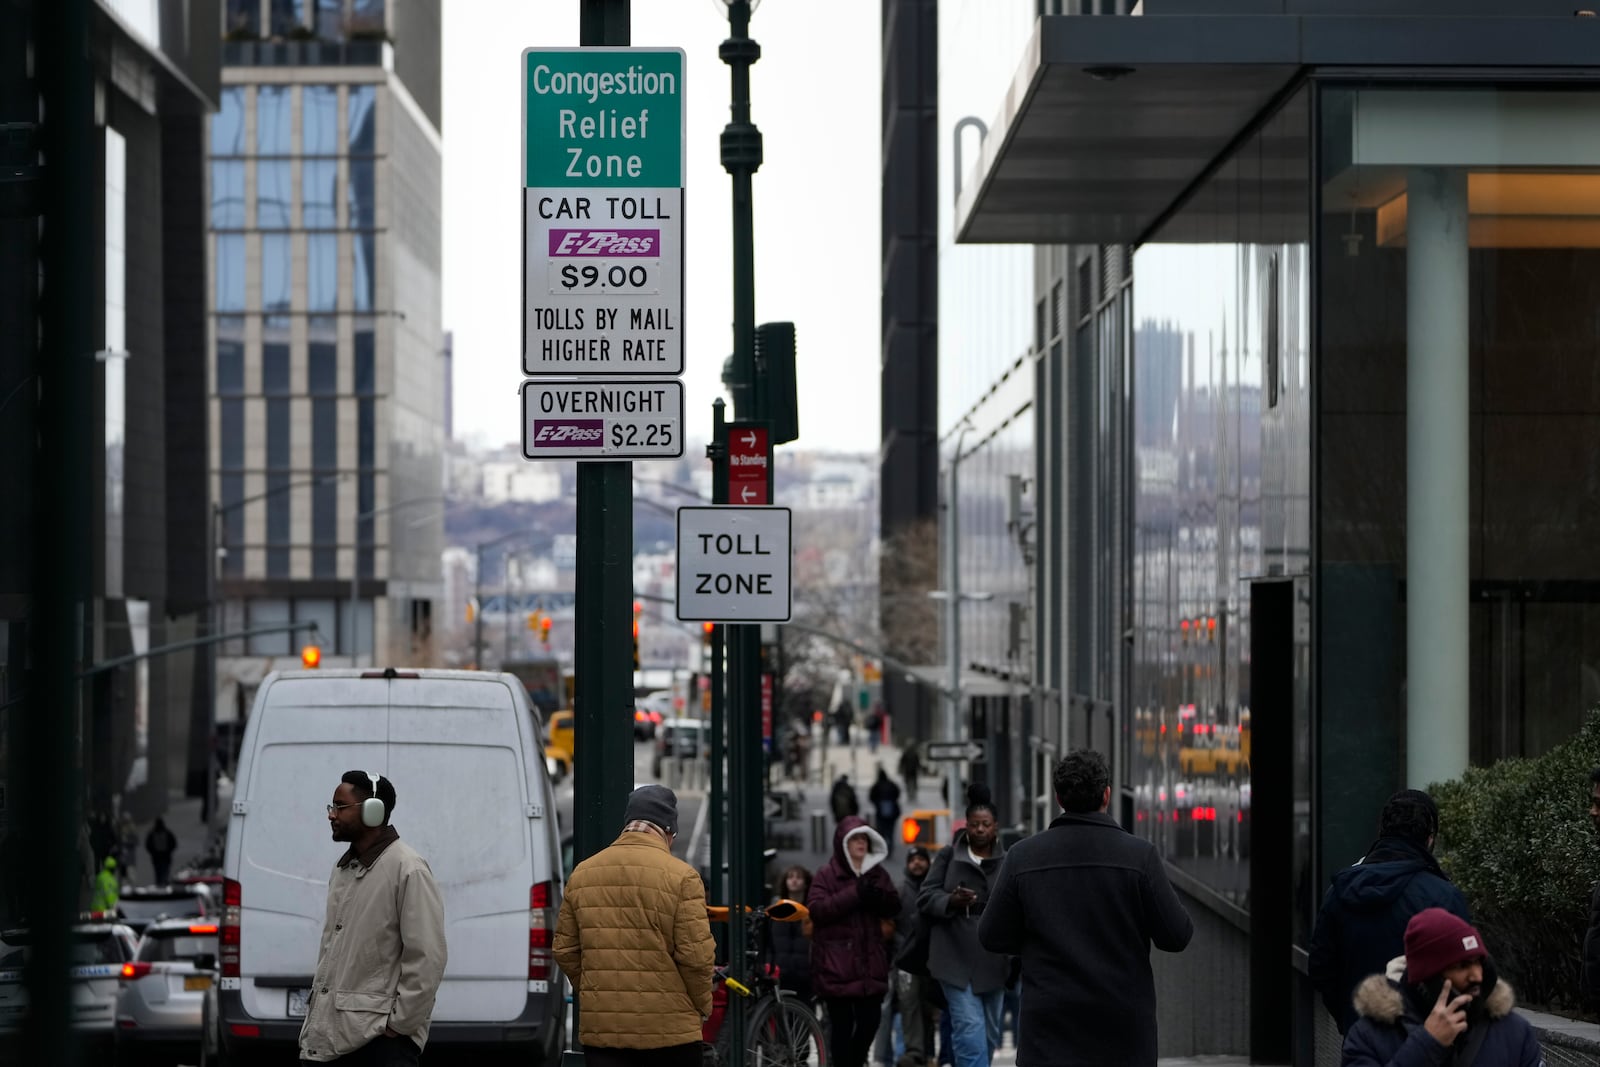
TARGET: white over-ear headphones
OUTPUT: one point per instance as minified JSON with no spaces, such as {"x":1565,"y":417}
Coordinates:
{"x":372,"y":807}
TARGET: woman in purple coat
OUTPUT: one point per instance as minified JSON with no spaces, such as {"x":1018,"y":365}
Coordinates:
{"x":849,"y":900}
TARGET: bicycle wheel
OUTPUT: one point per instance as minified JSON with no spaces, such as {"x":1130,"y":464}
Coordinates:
{"x":784,"y":1032}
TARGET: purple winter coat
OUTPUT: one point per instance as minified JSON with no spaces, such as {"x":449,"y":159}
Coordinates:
{"x":849,"y":957}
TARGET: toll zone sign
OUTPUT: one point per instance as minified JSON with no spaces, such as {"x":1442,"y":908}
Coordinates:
{"x":603,"y":179}
{"x":734,"y":564}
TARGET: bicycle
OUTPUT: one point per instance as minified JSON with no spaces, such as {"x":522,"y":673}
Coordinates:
{"x":780,"y":1029}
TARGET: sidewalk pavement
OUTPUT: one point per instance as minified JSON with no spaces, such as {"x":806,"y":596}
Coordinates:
{"x":1007,"y":1057}
{"x":183,"y":819}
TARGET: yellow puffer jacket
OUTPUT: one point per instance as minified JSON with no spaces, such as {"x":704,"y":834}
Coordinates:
{"x":634,"y":942}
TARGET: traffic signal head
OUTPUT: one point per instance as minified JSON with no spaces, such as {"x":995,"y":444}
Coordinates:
{"x":910,"y":830}
{"x":705,"y":633}
{"x":310,"y":657}
{"x":544,"y":628}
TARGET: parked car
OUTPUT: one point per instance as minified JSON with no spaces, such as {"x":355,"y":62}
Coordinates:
{"x":474,"y":798}
{"x":645,"y":723}
{"x":163,"y":992}
{"x":99,"y":949}
{"x":139,"y":906}
{"x":681,"y":737}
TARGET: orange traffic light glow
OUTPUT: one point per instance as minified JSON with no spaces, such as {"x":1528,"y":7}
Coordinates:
{"x":910,"y":830}
{"x":310,"y":657}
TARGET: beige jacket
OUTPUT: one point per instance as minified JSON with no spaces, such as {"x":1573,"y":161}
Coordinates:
{"x":634,"y":942}
{"x":382,"y":955}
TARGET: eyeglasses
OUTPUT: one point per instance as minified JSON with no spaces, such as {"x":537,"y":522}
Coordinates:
{"x":340,"y":807}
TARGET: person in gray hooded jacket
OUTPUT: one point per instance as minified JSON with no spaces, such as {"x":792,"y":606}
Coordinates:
{"x":951,"y":901}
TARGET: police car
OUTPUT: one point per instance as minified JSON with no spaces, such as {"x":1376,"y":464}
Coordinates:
{"x":99,"y":947}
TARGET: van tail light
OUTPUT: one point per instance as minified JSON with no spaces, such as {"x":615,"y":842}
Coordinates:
{"x":541,"y":930}
{"x":228,"y":934}
{"x":135,"y":970}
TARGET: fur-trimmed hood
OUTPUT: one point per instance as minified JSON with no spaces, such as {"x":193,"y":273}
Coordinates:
{"x":1381,"y":997}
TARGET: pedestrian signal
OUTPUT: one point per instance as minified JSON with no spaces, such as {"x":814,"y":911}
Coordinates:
{"x":910,"y":830}
{"x":311,"y":657}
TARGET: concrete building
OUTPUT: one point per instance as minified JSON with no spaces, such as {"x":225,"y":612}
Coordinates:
{"x":138,"y":420}
{"x":327,"y":344}
{"x":1314,"y":464}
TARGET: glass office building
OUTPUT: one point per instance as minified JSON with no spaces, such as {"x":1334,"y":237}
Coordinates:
{"x":1316,"y":434}
{"x":325,"y":161}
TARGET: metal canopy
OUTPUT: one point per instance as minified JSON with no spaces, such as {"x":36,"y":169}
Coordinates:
{"x":1111,"y":118}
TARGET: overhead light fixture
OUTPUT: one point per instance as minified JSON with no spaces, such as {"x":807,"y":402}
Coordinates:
{"x":1108,"y":73}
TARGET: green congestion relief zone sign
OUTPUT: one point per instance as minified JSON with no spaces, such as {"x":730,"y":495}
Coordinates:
{"x":602,"y":176}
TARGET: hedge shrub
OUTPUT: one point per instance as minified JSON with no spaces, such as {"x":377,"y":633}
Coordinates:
{"x":1517,"y":839}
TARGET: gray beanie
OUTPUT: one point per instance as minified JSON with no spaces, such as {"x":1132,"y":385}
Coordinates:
{"x":653,"y":804}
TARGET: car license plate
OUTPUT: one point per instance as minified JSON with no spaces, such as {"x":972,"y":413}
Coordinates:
{"x":196,"y":981}
{"x":298,"y":1001}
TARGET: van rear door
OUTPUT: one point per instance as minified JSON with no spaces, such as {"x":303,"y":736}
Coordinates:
{"x":463,"y":755}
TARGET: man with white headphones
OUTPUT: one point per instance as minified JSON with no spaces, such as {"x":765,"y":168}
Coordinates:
{"x":383,"y":947}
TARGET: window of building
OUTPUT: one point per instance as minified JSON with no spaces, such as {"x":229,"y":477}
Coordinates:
{"x":363,"y":274}
{"x":322,"y":356}
{"x":230,"y":356}
{"x":227,"y":125}
{"x":230,"y":272}
{"x":363,"y":119}
{"x":230,"y":434}
{"x":325,"y":527}
{"x":325,"y":613}
{"x":274,"y":194}
{"x":366,"y":356}
{"x":366,"y":433}
{"x":366,"y":496}
{"x":362,"y":195}
{"x":325,"y":433}
{"x":322,"y":271}
{"x":319,"y":194}
{"x":227,"y":194}
{"x":269,"y":612}
{"x":231,"y":492}
{"x":278,"y":451}
{"x":362,"y":620}
{"x":366,"y":16}
{"x":287,"y":17}
{"x":319,"y":120}
{"x":273,"y":121}
{"x":275,"y":272}
{"x":275,"y":356}
{"x":278,"y":501}
{"x":330,"y":20}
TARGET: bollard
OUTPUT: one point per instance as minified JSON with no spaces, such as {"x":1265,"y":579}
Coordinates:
{"x":669,"y":773}
{"x":819,"y":831}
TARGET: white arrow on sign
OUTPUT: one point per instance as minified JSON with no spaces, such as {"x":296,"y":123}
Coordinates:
{"x":746,"y":493}
{"x":955,"y":750}
{"x":772,"y":807}
{"x":750,"y":439}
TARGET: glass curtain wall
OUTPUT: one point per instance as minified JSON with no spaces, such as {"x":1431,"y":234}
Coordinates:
{"x":1460,"y":243}
{"x":1221,"y":449}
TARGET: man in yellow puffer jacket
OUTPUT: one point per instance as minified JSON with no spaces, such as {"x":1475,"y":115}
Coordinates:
{"x":634,"y":941}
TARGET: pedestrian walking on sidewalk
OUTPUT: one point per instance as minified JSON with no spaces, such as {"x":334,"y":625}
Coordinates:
{"x":910,"y":768}
{"x":843,"y":719}
{"x":952,"y":901}
{"x":1364,"y":913}
{"x":843,"y":800}
{"x":885,"y":798}
{"x":1441,"y":1002}
{"x":909,"y":996}
{"x":383,"y":946}
{"x":791,"y":942}
{"x":850,"y":897}
{"x":161,"y":844}
{"x":1082,"y":903}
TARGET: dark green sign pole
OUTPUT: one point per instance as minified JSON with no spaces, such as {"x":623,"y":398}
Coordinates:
{"x":741,"y":156}
{"x":717,"y":452}
{"x":603,"y":602}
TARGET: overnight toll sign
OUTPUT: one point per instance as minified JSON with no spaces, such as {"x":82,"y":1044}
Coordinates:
{"x":602,"y":419}
{"x":603,"y":165}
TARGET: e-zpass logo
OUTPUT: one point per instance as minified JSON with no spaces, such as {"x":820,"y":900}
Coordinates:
{"x":605,"y":242}
{"x":574,"y":432}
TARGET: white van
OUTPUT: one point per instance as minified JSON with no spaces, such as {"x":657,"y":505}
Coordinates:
{"x":472,"y":796}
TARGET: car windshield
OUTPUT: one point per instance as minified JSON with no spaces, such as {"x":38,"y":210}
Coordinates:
{"x":165,"y":945}
{"x":87,"y":949}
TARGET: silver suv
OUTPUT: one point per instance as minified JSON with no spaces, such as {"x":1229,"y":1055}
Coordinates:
{"x":164,"y":988}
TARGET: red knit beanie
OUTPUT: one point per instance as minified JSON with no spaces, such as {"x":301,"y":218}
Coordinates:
{"x":1436,"y":939}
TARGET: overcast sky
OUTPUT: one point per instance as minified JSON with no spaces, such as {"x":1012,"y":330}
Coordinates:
{"x":814,"y":96}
